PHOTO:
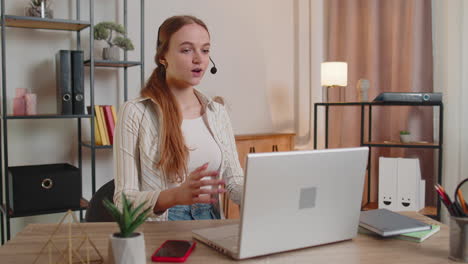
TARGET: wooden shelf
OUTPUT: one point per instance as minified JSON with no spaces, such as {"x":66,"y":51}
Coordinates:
{"x":88,"y":145}
{"x":416,"y":144}
{"x":47,"y":116}
{"x":112,"y":64}
{"x":83,"y":205}
{"x":428,"y":210}
{"x":45,"y":23}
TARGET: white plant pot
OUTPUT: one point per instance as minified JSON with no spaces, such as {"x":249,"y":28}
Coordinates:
{"x":127,"y":250}
{"x":112,"y":53}
{"x":406,"y":138}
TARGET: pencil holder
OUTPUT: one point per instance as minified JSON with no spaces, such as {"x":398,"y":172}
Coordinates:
{"x":459,"y":238}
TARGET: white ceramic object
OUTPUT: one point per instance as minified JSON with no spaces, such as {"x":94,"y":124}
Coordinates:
{"x":127,"y":250}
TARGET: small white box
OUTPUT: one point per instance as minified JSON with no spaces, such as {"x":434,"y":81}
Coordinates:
{"x":388,"y":174}
{"x":409,"y":178}
{"x":400,"y":184}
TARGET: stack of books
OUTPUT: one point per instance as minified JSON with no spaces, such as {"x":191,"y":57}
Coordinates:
{"x":105,"y":117}
{"x":390,"y":224}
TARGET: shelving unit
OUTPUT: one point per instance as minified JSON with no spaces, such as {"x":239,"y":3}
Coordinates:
{"x":125,"y":64}
{"x":35,"y":23}
{"x":434,"y":212}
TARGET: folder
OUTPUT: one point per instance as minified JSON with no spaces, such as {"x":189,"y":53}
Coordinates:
{"x":63,"y":82}
{"x":78,"y":82}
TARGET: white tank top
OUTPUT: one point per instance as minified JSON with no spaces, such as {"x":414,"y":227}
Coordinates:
{"x":202,"y":146}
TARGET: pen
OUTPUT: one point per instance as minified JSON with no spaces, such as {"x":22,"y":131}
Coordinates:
{"x":445,"y":200}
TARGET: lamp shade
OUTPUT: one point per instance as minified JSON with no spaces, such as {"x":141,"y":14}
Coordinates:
{"x":334,"y":73}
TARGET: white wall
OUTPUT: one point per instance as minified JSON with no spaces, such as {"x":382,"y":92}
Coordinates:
{"x":261,"y":49}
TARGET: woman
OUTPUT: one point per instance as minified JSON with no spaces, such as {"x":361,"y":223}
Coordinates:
{"x":174,"y":147}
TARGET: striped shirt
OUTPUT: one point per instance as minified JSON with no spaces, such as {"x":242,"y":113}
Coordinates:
{"x":137,"y":152}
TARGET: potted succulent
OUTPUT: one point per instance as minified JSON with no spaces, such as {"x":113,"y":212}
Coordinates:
{"x":127,"y":246}
{"x":39,"y":8}
{"x":105,"y":31}
{"x":405,"y":136}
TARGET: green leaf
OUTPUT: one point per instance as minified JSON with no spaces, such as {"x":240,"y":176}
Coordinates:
{"x":129,"y":218}
{"x":141,"y":218}
{"x":123,"y":43}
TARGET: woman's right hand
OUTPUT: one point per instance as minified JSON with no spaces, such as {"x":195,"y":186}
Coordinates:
{"x":191,"y":191}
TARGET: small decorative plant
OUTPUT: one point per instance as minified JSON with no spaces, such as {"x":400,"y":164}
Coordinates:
{"x":39,"y":8}
{"x":129,"y":218}
{"x":405,"y":136}
{"x":109,"y":32}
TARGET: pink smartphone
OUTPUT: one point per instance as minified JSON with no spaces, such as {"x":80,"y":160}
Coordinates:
{"x":173,"y":251}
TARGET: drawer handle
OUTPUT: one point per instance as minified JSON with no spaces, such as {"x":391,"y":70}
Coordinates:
{"x":275,"y":148}
{"x":252,"y":150}
{"x":47,"y":183}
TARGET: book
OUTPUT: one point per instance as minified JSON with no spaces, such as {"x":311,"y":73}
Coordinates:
{"x":102,"y":125}
{"x":387,"y":223}
{"x":419,"y":236}
{"x":97,"y":135}
{"x":109,"y":122}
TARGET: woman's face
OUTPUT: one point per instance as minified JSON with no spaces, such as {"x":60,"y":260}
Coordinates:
{"x":187,"y":57}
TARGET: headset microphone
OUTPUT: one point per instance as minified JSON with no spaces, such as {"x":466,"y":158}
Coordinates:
{"x":213,"y":69}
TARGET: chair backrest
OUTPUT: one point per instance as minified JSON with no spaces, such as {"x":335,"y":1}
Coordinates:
{"x":96,"y":211}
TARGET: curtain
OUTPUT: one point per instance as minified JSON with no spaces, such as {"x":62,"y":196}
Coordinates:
{"x":450,"y":35}
{"x":388,"y":43}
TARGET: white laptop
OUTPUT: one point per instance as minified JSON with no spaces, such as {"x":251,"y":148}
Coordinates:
{"x":294,"y":200}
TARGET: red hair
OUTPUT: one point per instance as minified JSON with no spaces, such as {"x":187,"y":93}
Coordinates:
{"x":174,"y":152}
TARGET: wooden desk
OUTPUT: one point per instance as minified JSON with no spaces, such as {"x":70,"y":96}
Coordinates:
{"x":362,"y":249}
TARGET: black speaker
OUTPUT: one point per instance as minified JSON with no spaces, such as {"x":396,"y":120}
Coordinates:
{"x":44,"y":187}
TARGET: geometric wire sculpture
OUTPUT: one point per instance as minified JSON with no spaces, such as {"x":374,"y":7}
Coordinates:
{"x":71,"y":253}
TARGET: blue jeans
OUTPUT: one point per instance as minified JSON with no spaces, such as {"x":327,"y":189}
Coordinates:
{"x":191,"y":212}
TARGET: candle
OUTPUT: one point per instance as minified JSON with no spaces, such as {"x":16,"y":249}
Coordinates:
{"x":19,"y":106}
{"x":31,"y":105}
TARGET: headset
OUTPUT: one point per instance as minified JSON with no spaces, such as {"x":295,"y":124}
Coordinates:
{"x":213,"y":69}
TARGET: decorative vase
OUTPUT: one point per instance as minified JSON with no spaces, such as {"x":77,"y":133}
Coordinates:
{"x":112,"y":53}
{"x":42,"y":11}
{"x":405,"y":138}
{"x":124,"y":250}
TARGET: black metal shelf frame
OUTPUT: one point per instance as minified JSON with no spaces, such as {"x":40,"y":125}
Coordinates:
{"x":125,"y":64}
{"x":370,"y":144}
{"x":67,"y":25}
{"x":35,"y":23}
{"x":4,"y":210}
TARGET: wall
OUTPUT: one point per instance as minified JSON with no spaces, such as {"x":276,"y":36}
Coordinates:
{"x":261,"y":49}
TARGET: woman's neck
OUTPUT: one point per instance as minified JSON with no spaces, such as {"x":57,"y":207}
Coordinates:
{"x":189,"y":104}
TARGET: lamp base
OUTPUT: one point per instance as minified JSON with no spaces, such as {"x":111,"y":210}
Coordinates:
{"x":326,"y":94}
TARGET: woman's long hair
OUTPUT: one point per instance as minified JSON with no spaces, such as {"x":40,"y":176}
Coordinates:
{"x":173,"y":151}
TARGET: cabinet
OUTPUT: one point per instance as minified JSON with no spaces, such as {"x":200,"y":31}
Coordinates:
{"x":75,"y":25}
{"x":256,"y":143}
{"x":369,"y":142}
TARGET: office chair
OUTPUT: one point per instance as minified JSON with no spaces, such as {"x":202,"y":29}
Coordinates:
{"x":96,"y":211}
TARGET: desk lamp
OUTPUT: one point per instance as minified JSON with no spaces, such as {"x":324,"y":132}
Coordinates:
{"x":334,"y":74}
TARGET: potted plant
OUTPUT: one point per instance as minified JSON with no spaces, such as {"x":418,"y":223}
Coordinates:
{"x":127,"y":246}
{"x":105,"y":31}
{"x":39,"y":8}
{"x":405,"y":136}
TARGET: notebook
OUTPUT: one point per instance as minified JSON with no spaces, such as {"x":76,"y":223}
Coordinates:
{"x":294,"y":200}
{"x":387,"y":223}
{"x":419,"y":236}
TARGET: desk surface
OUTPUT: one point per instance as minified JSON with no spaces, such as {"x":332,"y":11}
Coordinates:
{"x":362,"y":249}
